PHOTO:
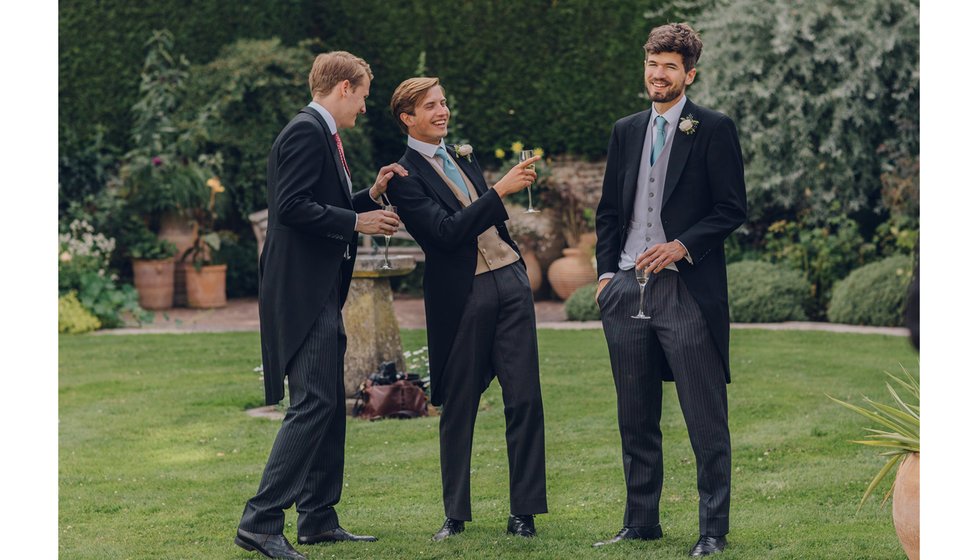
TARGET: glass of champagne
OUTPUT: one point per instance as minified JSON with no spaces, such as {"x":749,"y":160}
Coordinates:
{"x":524,"y":156}
{"x":641,"y":278}
{"x":388,"y":208}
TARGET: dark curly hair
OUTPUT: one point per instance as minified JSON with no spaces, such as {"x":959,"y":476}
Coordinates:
{"x":676,"y":38}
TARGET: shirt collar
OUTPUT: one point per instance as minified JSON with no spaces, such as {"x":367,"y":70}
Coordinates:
{"x":673,"y":115}
{"x":424,"y":148}
{"x":331,"y":124}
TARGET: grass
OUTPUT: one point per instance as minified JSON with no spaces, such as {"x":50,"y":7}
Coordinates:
{"x":156,"y":457}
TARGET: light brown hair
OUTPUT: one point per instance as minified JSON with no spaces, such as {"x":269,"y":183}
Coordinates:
{"x":408,"y":95}
{"x":675,"y":38}
{"x":329,"y":69}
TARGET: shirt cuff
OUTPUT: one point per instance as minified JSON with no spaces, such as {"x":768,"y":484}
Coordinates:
{"x":607,"y":275}
{"x":687,"y":254}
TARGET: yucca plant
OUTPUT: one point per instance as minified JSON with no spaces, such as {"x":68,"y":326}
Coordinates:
{"x":897,"y":431}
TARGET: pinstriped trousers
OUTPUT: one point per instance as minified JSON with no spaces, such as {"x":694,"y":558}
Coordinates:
{"x":677,"y":336}
{"x":306,"y":464}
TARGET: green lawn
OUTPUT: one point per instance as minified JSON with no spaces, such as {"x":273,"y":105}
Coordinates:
{"x":156,"y":457}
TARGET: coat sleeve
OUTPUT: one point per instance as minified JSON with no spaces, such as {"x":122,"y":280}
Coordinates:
{"x":608,"y":234}
{"x":299,"y":169}
{"x":726,"y":187}
{"x":432,"y":223}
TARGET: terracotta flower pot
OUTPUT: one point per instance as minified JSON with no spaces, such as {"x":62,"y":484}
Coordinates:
{"x":181,"y":229}
{"x":533,"y":269}
{"x":206,"y":287}
{"x":570,"y":272}
{"x":905,"y":505}
{"x":154,"y":281}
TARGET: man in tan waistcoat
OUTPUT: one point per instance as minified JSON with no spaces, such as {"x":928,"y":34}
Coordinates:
{"x":478,"y":305}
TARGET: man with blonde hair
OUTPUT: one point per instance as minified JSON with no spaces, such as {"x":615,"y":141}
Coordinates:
{"x":478,"y":306}
{"x":304,"y":275}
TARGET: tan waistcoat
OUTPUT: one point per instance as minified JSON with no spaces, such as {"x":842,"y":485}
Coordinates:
{"x":492,"y":251}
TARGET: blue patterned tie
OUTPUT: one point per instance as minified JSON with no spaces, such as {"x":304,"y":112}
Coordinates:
{"x":658,"y":144}
{"x":450,"y":169}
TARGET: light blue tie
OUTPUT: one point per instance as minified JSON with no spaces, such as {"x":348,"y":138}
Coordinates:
{"x":658,"y":144}
{"x":450,"y":169}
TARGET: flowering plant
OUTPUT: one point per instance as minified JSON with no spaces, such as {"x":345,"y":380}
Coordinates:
{"x":464,"y":150}
{"x":688,"y":125}
{"x":83,"y":268}
{"x":206,"y":239}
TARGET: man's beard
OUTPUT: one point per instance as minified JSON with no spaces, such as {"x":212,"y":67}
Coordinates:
{"x":671,"y":93}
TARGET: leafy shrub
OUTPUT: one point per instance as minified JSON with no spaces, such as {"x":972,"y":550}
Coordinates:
{"x":581,"y":305}
{"x":825,"y":254}
{"x":241,"y":254}
{"x":163,"y":171}
{"x":875,"y":294}
{"x":146,"y":246}
{"x":251,"y":90}
{"x":816,"y":88}
{"x":761,"y":292}
{"x":83,"y":267}
{"x":73,"y":318}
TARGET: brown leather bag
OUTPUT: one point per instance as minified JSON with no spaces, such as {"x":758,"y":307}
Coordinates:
{"x":401,"y":399}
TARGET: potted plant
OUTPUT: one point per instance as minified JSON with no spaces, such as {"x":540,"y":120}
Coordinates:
{"x":575,"y":269}
{"x":205,"y":277}
{"x":530,"y":232}
{"x":153,"y":270}
{"x":896,"y":432}
{"x":163,"y":172}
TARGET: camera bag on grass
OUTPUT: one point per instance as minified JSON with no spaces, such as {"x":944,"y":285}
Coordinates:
{"x":389,"y":395}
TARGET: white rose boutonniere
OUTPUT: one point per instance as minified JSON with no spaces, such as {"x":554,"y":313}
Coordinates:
{"x":688,"y":125}
{"x":465,"y":151}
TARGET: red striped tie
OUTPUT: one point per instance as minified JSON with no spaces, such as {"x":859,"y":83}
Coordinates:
{"x":336,"y":137}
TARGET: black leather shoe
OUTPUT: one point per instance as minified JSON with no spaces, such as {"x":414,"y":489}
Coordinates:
{"x":449,"y":528}
{"x":708,"y":545}
{"x":270,"y":546}
{"x":632,"y":533}
{"x":521,"y":525}
{"x":337,"y":534}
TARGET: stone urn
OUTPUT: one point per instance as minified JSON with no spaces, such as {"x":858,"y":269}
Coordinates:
{"x":570,"y":272}
{"x":206,"y":287}
{"x":154,"y":281}
{"x":905,"y":505}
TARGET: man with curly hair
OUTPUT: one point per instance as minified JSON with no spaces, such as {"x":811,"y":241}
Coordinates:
{"x":673,"y":190}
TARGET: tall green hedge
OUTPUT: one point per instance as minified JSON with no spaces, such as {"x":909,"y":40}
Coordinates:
{"x":100,"y":49}
{"x":550,"y":73}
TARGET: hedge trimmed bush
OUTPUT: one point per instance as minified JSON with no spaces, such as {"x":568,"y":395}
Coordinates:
{"x":760,"y":292}
{"x":875,"y":294}
{"x":73,"y":318}
{"x":581,"y":305}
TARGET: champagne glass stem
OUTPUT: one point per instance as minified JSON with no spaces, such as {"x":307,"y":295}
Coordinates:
{"x":387,"y":242}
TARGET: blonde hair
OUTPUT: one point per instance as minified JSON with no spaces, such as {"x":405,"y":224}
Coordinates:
{"x":329,"y":69}
{"x":407,"y":96}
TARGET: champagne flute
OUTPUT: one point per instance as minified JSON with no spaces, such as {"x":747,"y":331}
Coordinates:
{"x":524,"y":156}
{"x":641,"y":278}
{"x":389,"y":208}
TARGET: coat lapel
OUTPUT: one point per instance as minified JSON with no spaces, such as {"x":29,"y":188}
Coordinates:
{"x":680,"y":149}
{"x":633,"y":148}
{"x":431,"y":178}
{"x":334,"y":152}
{"x":473,"y":172}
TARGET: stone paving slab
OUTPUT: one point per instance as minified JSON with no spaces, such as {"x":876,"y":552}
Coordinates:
{"x":243,"y":315}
